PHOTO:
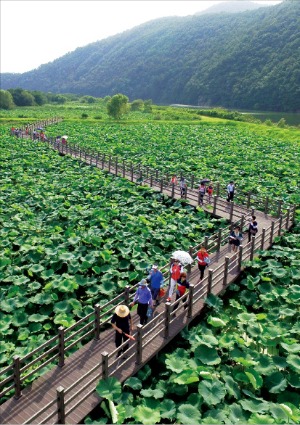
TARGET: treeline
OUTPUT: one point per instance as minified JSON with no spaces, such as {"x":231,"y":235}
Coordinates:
{"x":246,"y":60}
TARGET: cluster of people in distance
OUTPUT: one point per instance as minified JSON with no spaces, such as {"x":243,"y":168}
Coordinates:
{"x":148,"y":296}
{"x":205,"y":187}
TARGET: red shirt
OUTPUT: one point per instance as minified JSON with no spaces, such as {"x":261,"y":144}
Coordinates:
{"x":175,"y":271}
{"x":201,"y":257}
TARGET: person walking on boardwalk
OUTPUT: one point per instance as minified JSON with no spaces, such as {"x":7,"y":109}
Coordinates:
{"x":183,"y":187}
{"x":182,"y":286}
{"x":210,"y":192}
{"x":230,"y":191}
{"x":174,"y":180}
{"x":143,"y":297}
{"x":175,"y":270}
{"x":252,"y":229}
{"x":202,"y":191}
{"x":203,"y":260}
{"x":156,"y":280}
{"x":122,"y":323}
{"x":235,"y":238}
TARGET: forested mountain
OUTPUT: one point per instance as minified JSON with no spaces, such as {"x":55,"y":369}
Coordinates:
{"x":241,"y":60}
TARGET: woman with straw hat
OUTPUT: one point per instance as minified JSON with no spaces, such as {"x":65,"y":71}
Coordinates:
{"x":122,"y":323}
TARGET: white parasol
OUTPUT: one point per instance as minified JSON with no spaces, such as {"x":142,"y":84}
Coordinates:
{"x":183,"y":257}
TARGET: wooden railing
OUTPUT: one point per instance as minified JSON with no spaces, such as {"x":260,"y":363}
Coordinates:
{"x":27,"y":130}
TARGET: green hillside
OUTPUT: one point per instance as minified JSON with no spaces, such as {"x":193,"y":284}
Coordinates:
{"x":244,"y":60}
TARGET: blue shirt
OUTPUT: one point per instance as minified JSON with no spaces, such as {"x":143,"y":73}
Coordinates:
{"x":143,"y":296}
{"x":156,"y":279}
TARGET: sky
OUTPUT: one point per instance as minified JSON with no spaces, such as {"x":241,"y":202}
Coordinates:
{"x":38,"y":31}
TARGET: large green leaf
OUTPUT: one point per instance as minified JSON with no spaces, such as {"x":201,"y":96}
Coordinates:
{"x":188,"y":414}
{"x":146,"y":416}
{"x":207,"y":355}
{"x":213,"y":392}
{"x":109,"y":389}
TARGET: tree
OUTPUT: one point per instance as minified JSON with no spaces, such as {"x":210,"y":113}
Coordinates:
{"x":22,"y":97}
{"x":137,"y":105}
{"x":6,"y":100}
{"x":117,"y":106}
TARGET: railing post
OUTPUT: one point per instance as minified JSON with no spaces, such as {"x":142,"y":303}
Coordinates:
{"x":280,"y":224}
{"x":231,"y":212}
{"x":17,"y":377}
{"x":167,"y":320}
{"x":61,"y":346}
{"x":131,"y":172}
{"x":185,"y":193}
{"x":104,"y":363}
{"x":97,"y":322}
{"x":248,"y":200}
{"x":109,"y":163}
{"x":190,"y":302}
{"x":60,"y":397}
{"x":161,"y":184}
{"x":103,"y":160}
{"x":209,"y":280}
{"x":192,"y":181}
{"x":218,"y":189}
{"x":139,"y":344}
{"x":252,"y":247}
{"x":151,"y":180}
{"x":272,"y":232}
{"x":97,"y":159}
{"x":266,"y":205}
{"x":199,"y":198}
{"x":116,"y":166}
{"x":156,"y":173}
{"x":294,"y":215}
{"x":242,"y":223}
{"x":127,"y":295}
{"x":240,"y":257}
{"x":219,"y":240}
{"x":226,"y":265}
{"x":124,"y":168}
{"x":279,"y":208}
{"x":206,"y":242}
{"x":263,"y":235}
{"x":215,"y":204}
{"x":173,"y":190}
{"x":287,"y":218}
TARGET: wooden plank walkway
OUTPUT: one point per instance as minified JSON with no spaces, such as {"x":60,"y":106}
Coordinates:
{"x":82,"y":370}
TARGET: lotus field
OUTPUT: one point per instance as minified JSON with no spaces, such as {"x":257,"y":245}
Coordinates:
{"x":264,"y":163}
{"x":72,"y":236}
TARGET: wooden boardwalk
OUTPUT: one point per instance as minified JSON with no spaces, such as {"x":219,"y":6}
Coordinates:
{"x":67,"y":394}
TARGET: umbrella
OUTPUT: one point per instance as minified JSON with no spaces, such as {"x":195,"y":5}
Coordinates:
{"x":204,"y":181}
{"x":40,"y":128}
{"x":183,"y":257}
{"x":64,"y":137}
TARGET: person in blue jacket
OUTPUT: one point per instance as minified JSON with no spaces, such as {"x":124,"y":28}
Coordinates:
{"x":143,"y":298}
{"x":156,"y":280}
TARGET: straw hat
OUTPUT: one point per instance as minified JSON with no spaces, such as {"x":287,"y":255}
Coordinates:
{"x":122,"y":310}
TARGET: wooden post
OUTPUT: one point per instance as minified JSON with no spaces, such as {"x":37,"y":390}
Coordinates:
{"x":240,"y":258}
{"x":226,"y":265}
{"x":116,"y":166}
{"x":242,"y":223}
{"x":173,"y":190}
{"x":219,"y":240}
{"x":104,"y":362}
{"x":218,"y":189}
{"x":103,"y":160}
{"x":231,"y":212}
{"x":109,"y":163}
{"x":199,"y":198}
{"x":161,"y":184}
{"x":279,"y":208}
{"x":60,"y":398}
{"x":272,"y":232}
{"x":190,"y":302}
{"x":248,"y":200}
{"x":206,"y":242}
{"x":280,"y":224}
{"x":215,"y":204}
{"x":167,"y":320}
{"x":17,"y":377}
{"x":127,"y":295}
{"x":156,"y":174}
{"x":263,"y":235}
{"x":131,"y":172}
{"x":139,"y":344}
{"x":186,"y":191}
{"x":151,"y":180}
{"x":252,"y":247}
{"x":124,"y":168}
{"x":209,"y":279}
{"x":192,"y":181}
{"x":97,"y":322}
{"x":266,"y":205}
{"x":97,"y":159}
{"x":294,"y":215}
{"x":287,"y":218}
{"x":61,"y":346}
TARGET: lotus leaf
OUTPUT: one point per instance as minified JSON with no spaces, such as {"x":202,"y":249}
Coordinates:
{"x":276,"y":382}
{"x":133,"y":383}
{"x":212,"y":391}
{"x":64,"y":319}
{"x":294,"y":362}
{"x":255,"y":418}
{"x":216,"y":322}
{"x":207,"y":355}
{"x":37,"y":318}
{"x":188,"y":414}
{"x":146,"y":416}
{"x":167,"y":409}
{"x":155,"y":393}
